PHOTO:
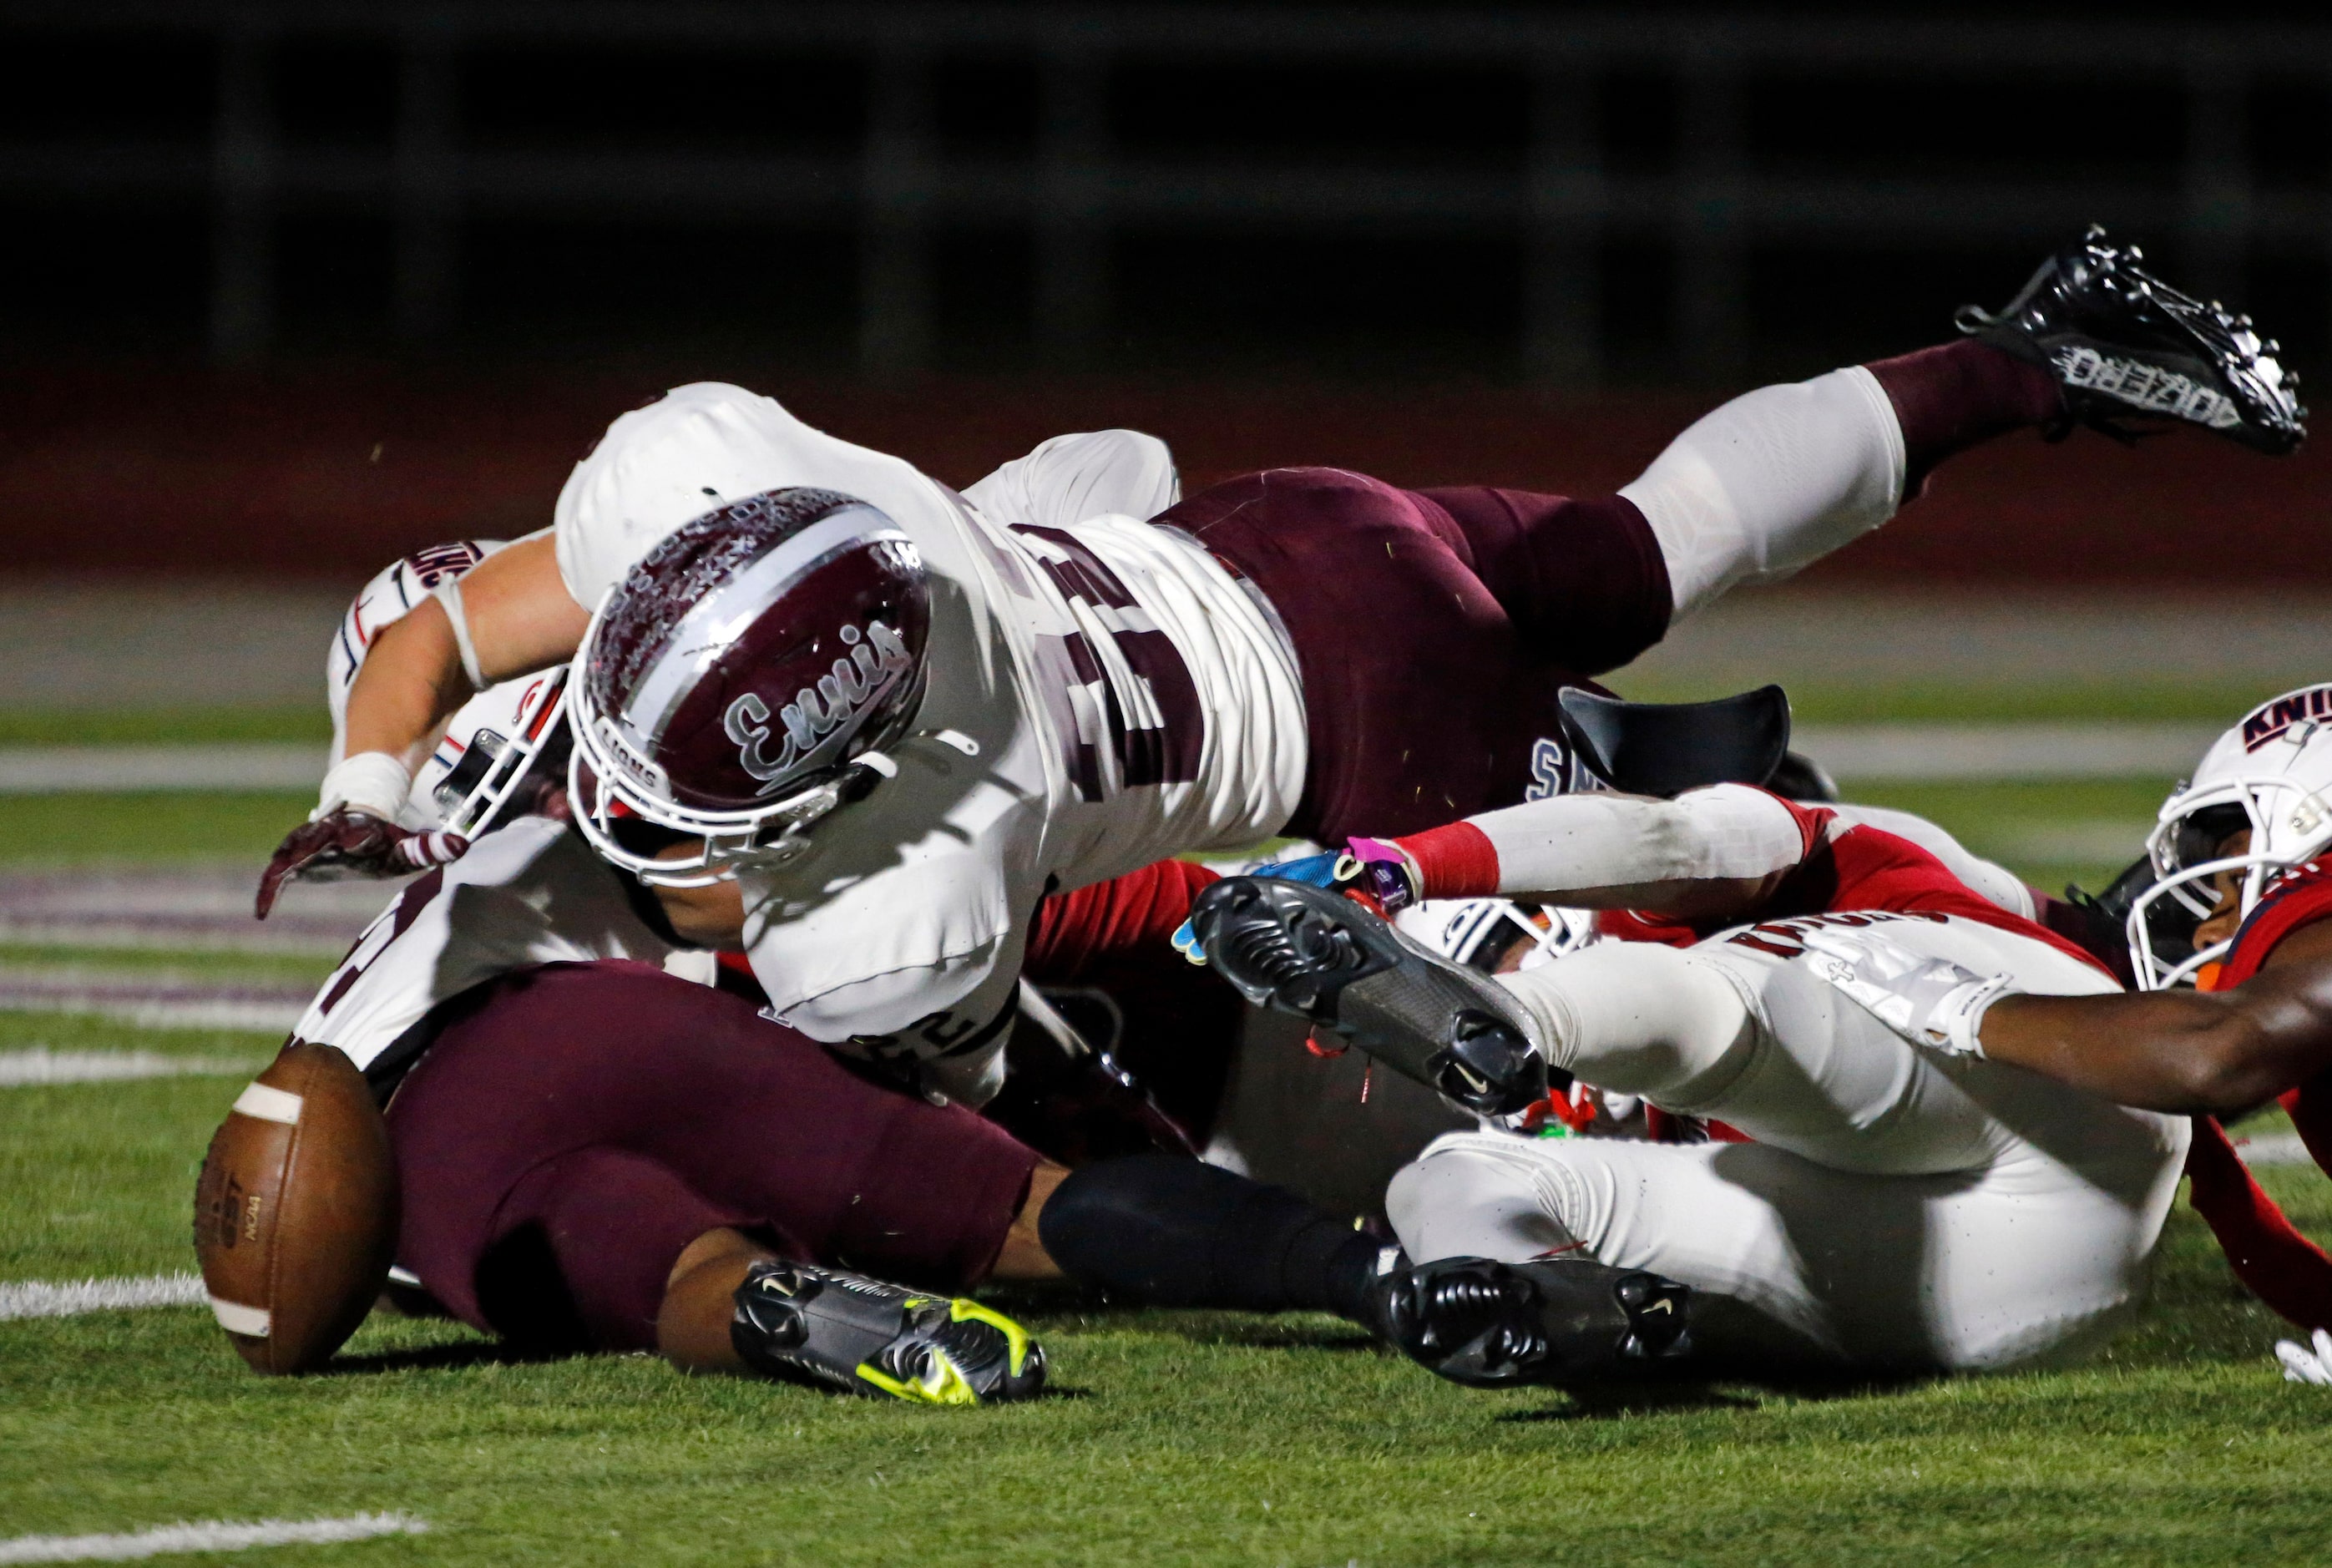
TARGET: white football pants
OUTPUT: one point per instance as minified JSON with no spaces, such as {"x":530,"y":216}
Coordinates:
{"x":1900,"y":1208}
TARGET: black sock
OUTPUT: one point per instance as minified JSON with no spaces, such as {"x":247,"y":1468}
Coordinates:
{"x":1174,"y":1232}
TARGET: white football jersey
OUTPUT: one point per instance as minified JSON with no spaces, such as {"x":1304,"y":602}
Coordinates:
{"x":1102,"y":693}
{"x":530,"y":894}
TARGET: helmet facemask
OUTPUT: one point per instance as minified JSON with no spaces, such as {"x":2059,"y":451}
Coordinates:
{"x":2288,"y":824}
{"x":1483,"y":934}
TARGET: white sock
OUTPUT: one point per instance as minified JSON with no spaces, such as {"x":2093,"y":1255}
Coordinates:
{"x":1773,"y":482}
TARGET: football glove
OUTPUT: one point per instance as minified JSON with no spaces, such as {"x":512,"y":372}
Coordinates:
{"x":2300,"y":1366}
{"x":348,"y":842}
{"x":1373,"y":874}
{"x":1929,"y":1001}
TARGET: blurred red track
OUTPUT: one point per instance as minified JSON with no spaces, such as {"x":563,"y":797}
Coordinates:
{"x":326,"y":473}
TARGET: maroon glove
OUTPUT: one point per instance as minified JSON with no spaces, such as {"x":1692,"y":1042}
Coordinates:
{"x":353,"y":844}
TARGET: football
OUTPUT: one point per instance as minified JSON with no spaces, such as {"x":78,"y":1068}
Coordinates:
{"x":296,"y":1211}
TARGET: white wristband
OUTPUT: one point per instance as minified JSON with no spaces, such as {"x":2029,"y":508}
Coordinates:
{"x":448,"y":595}
{"x":371,"y":781}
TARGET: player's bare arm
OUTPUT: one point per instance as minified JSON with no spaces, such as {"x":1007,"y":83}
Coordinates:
{"x":2219,"y":1052}
{"x":519,"y":619}
{"x":505,"y":617}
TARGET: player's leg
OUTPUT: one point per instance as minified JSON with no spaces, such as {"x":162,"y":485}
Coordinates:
{"x":1773,"y":480}
{"x":1794,"y":1263}
{"x":580,"y":1128}
{"x":1772,"y":1049}
{"x":1420,"y":700}
{"x":1176,"y":1233}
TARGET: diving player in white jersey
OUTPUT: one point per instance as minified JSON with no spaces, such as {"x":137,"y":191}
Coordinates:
{"x":787,"y":627}
{"x":1898,"y":1207}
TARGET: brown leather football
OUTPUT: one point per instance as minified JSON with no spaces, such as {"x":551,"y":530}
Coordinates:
{"x":296,"y":1211}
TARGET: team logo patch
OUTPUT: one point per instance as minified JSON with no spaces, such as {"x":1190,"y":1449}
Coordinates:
{"x":2270,"y":720}
{"x":877,"y":658}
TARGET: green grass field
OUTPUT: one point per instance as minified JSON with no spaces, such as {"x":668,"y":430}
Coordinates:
{"x":1171,"y":1437}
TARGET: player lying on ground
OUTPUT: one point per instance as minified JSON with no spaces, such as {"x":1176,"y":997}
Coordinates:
{"x":1005,"y":708}
{"x":2238,"y":907}
{"x":1898,"y":1208}
{"x":594,"y":1154}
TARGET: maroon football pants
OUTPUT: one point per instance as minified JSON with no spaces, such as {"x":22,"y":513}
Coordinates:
{"x":1434,"y":629}
{"x":576,"y":1127}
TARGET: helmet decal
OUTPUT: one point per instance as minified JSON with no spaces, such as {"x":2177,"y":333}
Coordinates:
{"x":2272,"y":719}
{"x":878,"y":659}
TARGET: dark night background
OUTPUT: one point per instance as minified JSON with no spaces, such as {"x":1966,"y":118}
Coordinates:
{"x":293,"y":286}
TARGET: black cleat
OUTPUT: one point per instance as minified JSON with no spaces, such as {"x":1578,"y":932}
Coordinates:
{"x":2122,"y":344}
{"x":1495,"y":1324}
{"x":801,"y":1322}
{"x":1314,"y":952}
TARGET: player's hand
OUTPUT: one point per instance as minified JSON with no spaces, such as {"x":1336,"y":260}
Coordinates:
{"x":345,"y":842}
{"x":1375,"y":875}
{"x":1929,"y":1001}
{"x":2300,"y":1366}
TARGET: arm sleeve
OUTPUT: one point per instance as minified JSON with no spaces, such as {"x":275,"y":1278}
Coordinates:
{"x":1572,"y":842}
{"x":1138,"y":912}
{"x":2283,"y":1268}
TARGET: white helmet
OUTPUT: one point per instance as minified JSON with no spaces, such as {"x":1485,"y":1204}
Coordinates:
{"x":1479,"y":932}
{"x":2272,"y":774}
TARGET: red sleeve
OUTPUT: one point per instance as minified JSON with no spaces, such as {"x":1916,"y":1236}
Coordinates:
{"x":1074,"y":930}
{"x":1860,"y":868}
{"x":2282,"y":1268}
{"x":1865,"y":867}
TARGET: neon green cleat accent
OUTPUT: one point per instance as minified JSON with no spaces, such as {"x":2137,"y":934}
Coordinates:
{"x":845,"y":1330}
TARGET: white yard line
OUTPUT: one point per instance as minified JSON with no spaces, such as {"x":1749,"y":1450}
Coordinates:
{"x":80,"y":769}
{"x":2274,"y":1149}
{"x":40,"y":1065}
{"x":153,"y":999}
{"x":156,"y":936}
{"x":1855,"y":753}
{"x":212,"y":1535}
{"x":263,"y":1018}
{"x":73,"y":1297}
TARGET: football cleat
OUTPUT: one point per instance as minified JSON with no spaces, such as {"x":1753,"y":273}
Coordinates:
{"x":1490,"y":1324}
{"x":1314,"y":952}
{"x":2122,"y":344}
{"x":801,"y":1322}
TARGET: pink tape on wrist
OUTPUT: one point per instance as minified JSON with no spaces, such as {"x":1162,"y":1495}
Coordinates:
{"x":1453,"y":862}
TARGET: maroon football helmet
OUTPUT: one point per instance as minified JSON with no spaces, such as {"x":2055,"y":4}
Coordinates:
{"x":739,"y":684}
